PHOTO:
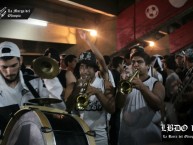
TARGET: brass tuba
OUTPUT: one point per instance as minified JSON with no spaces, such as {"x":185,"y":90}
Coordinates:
{"x":126,"y":86}
{"x":45,"y":67}
{"x":82,"y":98}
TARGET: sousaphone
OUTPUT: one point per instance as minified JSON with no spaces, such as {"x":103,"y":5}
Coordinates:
{"x":45,"y":67}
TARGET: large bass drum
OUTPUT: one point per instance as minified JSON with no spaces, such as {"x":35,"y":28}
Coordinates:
{"x":39,"y":125}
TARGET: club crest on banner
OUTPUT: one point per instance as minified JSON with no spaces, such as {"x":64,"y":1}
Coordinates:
{"x":152,"y":11}
{"x":177,"y":3}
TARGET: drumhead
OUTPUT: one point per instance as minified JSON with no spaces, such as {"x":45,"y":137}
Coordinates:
{"x":36,"y":127}
{"x":24,"y":128}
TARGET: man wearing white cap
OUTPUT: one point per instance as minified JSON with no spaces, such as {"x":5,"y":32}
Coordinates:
{"x":14,"y":87}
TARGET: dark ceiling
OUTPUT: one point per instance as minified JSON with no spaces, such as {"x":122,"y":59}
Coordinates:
{"x":108,"y":8}
{"x":111,"y":7}
{"x":105,"y":7}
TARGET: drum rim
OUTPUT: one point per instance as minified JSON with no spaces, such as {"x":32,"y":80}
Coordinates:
{"x":85,"y":128}
{"x":45,"y":109}
{"x":81,"y":122}
{"x":43,"y":120}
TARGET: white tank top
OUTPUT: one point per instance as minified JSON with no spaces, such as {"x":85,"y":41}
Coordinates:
{"x":138,"y":119}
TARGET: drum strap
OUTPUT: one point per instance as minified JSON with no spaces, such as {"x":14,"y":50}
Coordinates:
{"x":31,"y":88}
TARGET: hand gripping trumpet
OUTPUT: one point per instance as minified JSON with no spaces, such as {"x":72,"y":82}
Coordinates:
{"x":126,"y":86}
{"x":82,"y":98}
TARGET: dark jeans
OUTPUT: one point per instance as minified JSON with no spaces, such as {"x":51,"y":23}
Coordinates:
{"x":114,"y":127}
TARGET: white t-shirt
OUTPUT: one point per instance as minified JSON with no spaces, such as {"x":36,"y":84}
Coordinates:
{"x":95,"y":116}
{"x":10,"y":96}
{"x":154,"y":73}
{"x":111,"y":79}
{"x":21,"y":94}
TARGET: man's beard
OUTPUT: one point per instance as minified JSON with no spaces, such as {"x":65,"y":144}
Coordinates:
{"x":8,"y":81}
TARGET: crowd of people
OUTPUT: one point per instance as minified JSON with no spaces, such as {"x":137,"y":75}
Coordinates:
{"x":159,"y":93}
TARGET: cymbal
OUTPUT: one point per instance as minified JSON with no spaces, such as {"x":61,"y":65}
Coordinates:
{"x":45,"y":101}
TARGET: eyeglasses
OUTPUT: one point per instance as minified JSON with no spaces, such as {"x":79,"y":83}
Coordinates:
{"x":137,"y":61}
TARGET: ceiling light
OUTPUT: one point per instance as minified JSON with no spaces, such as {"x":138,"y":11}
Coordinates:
{"x":151,"y":43}
{"x":34,"y":22}
{"x":162,"y":32}
{"x":93,"y":33}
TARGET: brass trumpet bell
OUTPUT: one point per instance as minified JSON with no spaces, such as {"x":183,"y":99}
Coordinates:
{"x":126,"y":86}
{"x":82,"y":101}
{"x":45,"y":67}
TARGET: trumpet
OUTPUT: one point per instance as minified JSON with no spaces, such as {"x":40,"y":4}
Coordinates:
{"x":82,"y":98}
{"x":82,"y":101}
{"x":126,"y":86}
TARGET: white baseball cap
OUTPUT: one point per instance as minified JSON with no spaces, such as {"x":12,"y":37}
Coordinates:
{"x":9,"y":49}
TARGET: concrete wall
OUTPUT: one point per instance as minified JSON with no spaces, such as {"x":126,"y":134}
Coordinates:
{"x":105,"y":40}
{"x":62,"y":20}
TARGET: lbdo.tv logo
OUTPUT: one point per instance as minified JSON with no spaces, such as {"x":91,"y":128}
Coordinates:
{"x":174,"y":127}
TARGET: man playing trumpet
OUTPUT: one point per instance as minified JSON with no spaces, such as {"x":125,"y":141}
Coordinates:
{"x":97,"y":90}
{"x":99,"y":102}
{"x":140,"y":115}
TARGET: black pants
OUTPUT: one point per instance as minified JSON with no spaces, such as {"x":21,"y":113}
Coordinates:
{"x":114,"y":127}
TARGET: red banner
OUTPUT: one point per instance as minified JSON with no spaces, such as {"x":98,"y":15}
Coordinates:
{"x":181,"y":38}
{"x":125,"y":28}
{"x":149,"y":15}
